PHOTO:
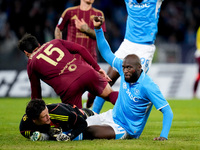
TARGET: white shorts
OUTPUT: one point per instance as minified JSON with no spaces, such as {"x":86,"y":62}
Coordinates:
{"x":144,"y":52}
{"x":107,"y":119}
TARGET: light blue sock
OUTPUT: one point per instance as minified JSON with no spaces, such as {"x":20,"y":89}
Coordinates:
{"x":98,"y":104}
{"x":79,"y":137}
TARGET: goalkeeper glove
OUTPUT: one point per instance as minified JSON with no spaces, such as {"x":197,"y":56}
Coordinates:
{"x":54,"y":132}
{"x":37,"y":136}
{"x":63,"y":137}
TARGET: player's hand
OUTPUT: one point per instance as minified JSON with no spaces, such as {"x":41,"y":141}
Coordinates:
{"x":54,"y":132}
{"x":103,"y":74}
{"x":97,"y":22}
{"x":36,"y":136}
{"x":63,"y":137}
{"x":159,"y":139}
{"x":81,"y":25}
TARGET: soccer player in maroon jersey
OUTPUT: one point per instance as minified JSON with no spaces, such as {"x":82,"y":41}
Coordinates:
{"x":197,"y":57}
{"x":79,"y":23}
{"x":55,"y":64}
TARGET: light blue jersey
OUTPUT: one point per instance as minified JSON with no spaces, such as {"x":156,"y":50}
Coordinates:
{"x":135,"y":102}
{"x":141,"y":24}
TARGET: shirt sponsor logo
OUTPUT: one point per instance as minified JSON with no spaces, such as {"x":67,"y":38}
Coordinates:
{"x":138,"y":5}
{"x":128,"y":92}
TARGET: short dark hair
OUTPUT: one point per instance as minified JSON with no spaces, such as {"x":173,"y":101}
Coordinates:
{"x":28,"y":43}
{"x":34,"y":108}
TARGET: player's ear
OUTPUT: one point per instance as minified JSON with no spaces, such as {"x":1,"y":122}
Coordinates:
{"x":27,"y":53}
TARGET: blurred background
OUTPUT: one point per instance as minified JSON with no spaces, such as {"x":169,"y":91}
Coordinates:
{"x":175,"y":42}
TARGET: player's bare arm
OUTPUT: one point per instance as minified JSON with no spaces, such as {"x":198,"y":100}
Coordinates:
{"x":83,"y":27}
{"x":58,"y":33}
{"x":98,"y":20}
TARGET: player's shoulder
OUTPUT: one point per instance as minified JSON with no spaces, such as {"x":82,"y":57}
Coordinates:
{"x":70,"y":9}
{"x":97,"y":10}
{"x":25,"y":118}
{"x":146,"y":80}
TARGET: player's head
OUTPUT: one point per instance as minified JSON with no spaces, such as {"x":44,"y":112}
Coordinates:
{"x":28,"y":43}
{"x":131,"y":68}
{"x":37,"y":111}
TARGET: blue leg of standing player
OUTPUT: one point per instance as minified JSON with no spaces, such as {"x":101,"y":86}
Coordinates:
{"x":98,"y":104}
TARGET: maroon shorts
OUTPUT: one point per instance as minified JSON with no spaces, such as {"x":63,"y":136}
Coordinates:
{"x":91,"y":81}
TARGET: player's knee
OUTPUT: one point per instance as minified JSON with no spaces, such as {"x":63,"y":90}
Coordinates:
{"x":106,"y":92}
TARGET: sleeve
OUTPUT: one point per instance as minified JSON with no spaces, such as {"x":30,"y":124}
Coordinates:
{"x":78,"y":127}
{"x":154,"y":94}
{"x":63,"y":20}
{"x":35,"y":84}
{"x":25,"y":127}
{"x":104,"y":47}
{"x":167,"y":121}
{"x":76,"y":48}
{"x":69,"y":120}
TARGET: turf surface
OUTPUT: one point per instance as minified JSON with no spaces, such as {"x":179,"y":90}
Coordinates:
{"x":184,"y":133}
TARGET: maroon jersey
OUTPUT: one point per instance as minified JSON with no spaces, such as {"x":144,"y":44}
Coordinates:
{"x":54,"y":63}
{"x":75,"y":35}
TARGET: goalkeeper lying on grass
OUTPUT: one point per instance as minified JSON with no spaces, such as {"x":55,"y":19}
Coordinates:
{"x":48,"y":122}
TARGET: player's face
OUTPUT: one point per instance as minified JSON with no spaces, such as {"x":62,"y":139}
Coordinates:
{"x":44,"y":118}
{"x":130,"y":73}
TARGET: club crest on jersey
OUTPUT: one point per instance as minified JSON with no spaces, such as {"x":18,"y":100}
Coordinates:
{"x":136,"y":91}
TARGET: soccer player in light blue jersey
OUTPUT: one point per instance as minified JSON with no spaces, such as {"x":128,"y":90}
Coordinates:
{"x":137,"y":94}
{"x":141,"y":30}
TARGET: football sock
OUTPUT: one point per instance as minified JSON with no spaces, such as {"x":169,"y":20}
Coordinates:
{"x":90,"y":100}
{"x":79,"y":137}
{"x":196,"y":83}
{"x":98,"y":104}
{"x":113,"y":97}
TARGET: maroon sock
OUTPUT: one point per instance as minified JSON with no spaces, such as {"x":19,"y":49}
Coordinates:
{"x":113,"y":97}
{"x":90,"y":100}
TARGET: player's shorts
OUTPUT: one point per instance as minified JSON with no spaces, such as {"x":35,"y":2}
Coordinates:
{"x":107,"y":119}
{"x":144,"y":52}
{"x":90,"y":81}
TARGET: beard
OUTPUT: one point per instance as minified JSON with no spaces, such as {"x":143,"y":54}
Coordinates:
{"x":132,"y":78}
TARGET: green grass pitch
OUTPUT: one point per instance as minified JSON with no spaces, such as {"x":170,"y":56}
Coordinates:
{"x":184,"y":133}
